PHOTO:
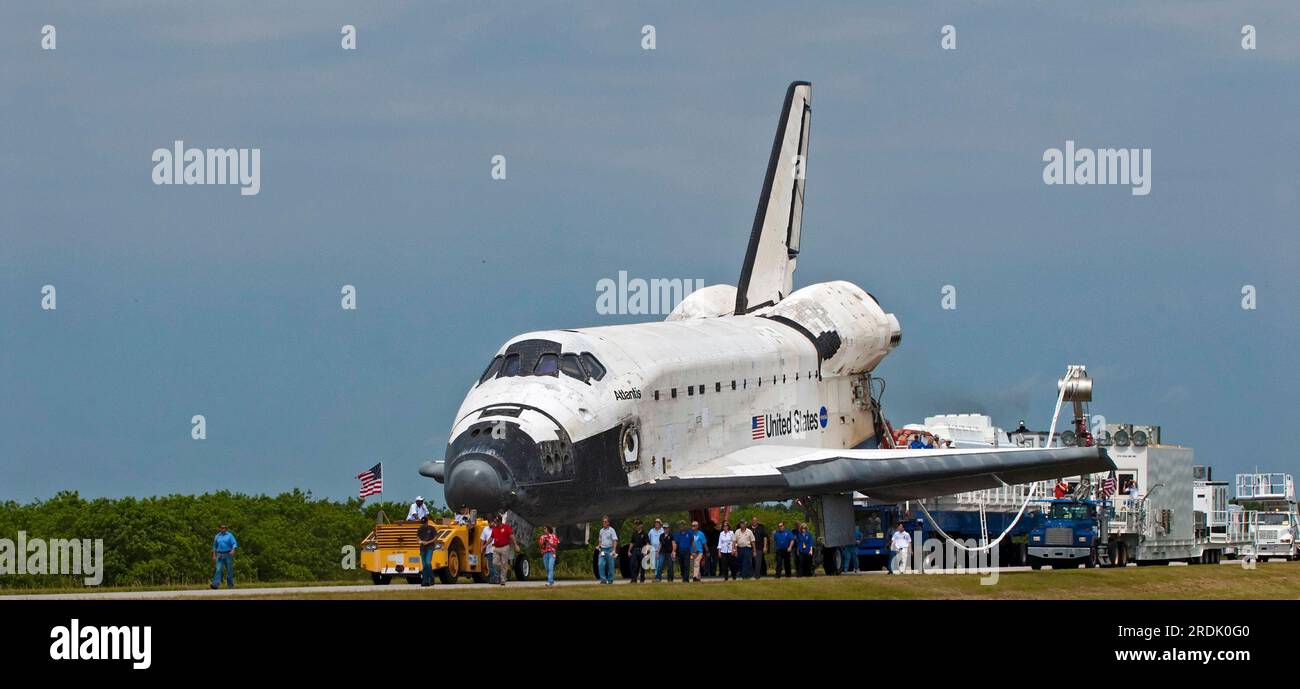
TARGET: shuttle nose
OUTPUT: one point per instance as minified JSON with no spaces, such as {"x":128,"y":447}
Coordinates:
{"x":476,"y":483}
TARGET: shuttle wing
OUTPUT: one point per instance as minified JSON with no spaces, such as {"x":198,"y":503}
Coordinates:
{"x":765,"y":278}
{"x":885,"y":475}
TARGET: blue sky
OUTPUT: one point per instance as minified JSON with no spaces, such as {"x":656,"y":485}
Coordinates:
{"x":925,"y":170}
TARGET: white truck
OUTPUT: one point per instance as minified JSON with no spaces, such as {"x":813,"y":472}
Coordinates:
{"x":1272,"y":498}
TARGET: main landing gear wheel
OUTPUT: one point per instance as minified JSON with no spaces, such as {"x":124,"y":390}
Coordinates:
{"x":522,"y":568}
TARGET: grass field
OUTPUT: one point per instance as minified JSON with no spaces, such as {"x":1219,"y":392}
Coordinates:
{"x":1267,"y":581}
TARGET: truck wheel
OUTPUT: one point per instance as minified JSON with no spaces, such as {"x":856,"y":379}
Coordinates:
{"x":829,"y":561}
{"x":1034,"y":563}
{"x":522,"y":568}
{"x":1112,"y":554}
{"x":380,"y":579}
{"x":1091,"y":560}
{"x":450,"y":573}
{"x":413,"y":579}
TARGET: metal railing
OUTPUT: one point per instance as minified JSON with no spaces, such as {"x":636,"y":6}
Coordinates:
{"x":1265,"y":487}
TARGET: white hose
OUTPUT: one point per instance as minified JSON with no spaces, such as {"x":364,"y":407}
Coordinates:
{"x":1034,"y":489}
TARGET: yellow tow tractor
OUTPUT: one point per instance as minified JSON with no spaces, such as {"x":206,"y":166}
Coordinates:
{"x":393,"y":549}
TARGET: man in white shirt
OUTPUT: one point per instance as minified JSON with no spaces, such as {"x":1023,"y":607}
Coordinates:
{"x":418,"y":510}
{"x":902,"y":543}
{"x":655,"y":534}
{"x":486,"y":537}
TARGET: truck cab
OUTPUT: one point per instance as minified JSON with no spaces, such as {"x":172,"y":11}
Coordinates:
{"x":1068,"y":535}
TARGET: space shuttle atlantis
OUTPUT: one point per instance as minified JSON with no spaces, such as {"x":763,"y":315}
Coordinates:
{"x":750,"y":393}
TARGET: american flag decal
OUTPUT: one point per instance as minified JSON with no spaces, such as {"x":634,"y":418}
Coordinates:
{"x":372,"y":481}
{"x":759,"y":427}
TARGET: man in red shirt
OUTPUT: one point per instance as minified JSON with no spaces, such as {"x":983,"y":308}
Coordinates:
{"x":1061,"y":488}
{"x":504,"y":545}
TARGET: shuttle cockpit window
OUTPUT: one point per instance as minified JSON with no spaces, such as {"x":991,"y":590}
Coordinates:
{"x":571,"y":367}
{"x":547,"y":365}
{"x":584,"y":367}
{"x":491,"y":370}
{"x":594,"y":368}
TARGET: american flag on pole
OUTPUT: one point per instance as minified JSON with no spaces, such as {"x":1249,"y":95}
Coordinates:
{"x":1107,"y":486}
{"x":758,"y":425}
{"x":372,"y":481}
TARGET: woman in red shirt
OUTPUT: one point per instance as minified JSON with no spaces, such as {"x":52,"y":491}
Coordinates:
{"x":549,"y":541}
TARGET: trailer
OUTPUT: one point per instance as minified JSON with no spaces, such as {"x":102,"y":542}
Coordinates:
{"x":1160,"y":513}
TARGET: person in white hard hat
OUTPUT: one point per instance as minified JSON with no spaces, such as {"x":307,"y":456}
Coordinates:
{"x":418,"y":510}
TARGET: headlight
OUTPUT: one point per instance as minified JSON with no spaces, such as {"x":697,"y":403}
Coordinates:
{"x":1083,"y":539}
{"x":370,"y":546}
{"x":1037,"y":538}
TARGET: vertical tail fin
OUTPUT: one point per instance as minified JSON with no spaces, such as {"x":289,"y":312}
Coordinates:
{"x":769,"y":265}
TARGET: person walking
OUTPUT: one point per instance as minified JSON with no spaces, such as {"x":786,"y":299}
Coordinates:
{"x":656,"y":533}
{"x":682,"y":544}
{"x":428,"y":537}
{"x":223,"y":556}
{"x":548,"y":543}
{"x":804,"y":549}
{"x":762,"y":543}
{"x":849,"y":556}
{"x":667,"y":554}
{"x":726,"y":551}
{"x":607,"y":546}
{"x":902,"y":544}
{"x":504,"y":546}
{"x":745,"y":550}
{"x":783,"y":541}
{"x":636,"y":547}
{"x":489,"y":564}
{"x":699,"y":548}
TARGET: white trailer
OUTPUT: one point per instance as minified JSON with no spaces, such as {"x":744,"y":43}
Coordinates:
{"x":1170,"y":516}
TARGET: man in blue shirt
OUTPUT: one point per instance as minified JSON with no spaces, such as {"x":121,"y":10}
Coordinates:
{"x":699,"y":548}
{"x":684,"y":539}
{"x":783,"y":542}
{"x":223,"y":554}
{"x":803,"y":544}
{"x":917,"y":443}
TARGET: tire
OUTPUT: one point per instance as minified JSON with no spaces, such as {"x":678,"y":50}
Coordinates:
{"x":413,"y":579}
{"x":522,"y":568}
{"x":1112,"y":554}
{"x":830,"y":558}
{"x":450,"y":573}
{"x":381,"y":579}
{"x":1091,"y":560}
{"x":1034,"y":563}
{"x":595,"y":564}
